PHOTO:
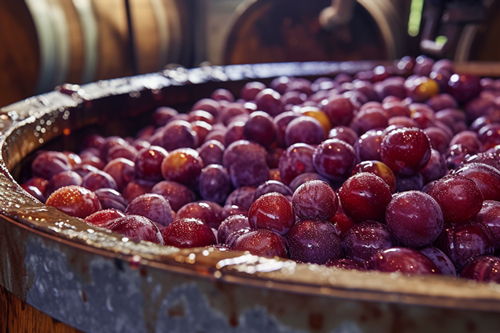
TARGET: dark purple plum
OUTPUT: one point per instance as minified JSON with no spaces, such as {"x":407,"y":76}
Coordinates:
{"x":364,"y":239}
{"x":482,"y":269}
{"x":460,"y":198}
{"x":153,"y":206}
{"x":111,"y":199}
{"x":137,"y":187}
{"x":406,"y":151}
{"x":334,"y":159}
{"x":272,"y":211}
{"x":179,"y":134}
{"x":414,"y":218}
{"x":61,"y":179}
{"x":403,"y":260}
{"x":188,"y":233}
{"x":486,"y":177}
{"x":48,"y":163}
{"x":296,"y":159}
{"x":205,"y":211}
{"x":211,"y":152}
{"x":122,"y":170}
{"x":339,"y":110}
{"x":177,"y":194}
{"x":214,"y":183}
{"x":135,"y":227}
{"x":263,"y":242}
{"x":440,"y":259}
{"x":463,"y":242}
{"x":260,"y":128}
{"x":315,"y":200}
{"x":304,"y":129}
{"x":365,"y":196}
{"x":229,"y":225}
{"x":242,"y":197}
{"x":183,"y":166}
{"x":367,"y":146}
{"x":148,"y":163}
{"x":314,"y":242}
{"x":248,"y":173}
{"x":489,"y":215}
{"x":98,"y":179}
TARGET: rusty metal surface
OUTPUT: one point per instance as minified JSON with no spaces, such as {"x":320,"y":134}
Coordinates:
{"x":98,"y":281}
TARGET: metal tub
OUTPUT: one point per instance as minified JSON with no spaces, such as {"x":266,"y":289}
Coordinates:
{"x":98,"y":281}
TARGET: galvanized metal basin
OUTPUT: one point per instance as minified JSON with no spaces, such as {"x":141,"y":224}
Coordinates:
{"x":98,"y":281}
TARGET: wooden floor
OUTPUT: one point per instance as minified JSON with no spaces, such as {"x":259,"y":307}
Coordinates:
{"x":17,"y":316}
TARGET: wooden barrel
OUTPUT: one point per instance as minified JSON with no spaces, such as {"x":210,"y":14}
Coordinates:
{"x":49,"y":42}
{"x":289,"y":30}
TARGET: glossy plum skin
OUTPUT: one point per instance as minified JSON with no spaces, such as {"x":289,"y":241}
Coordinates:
{"x":463,"y":242}
{"x":315,"y":199}
{"x":111,"y":199}
{"x":272,"y":211}
{"x":122,"y":171}
{"x":135,"y":227}
{"x":262,"y":242}
{"x":460,"y":198}
{"x":440,"y":259}
{"x":483,"y":269}
{"x":188,"y":233}
{"x":183,"y":166}
{"x":367,"y":146}
{"x":334,"y":159}
{"x":314,"y":242}
{"x":489,"y":215}
{"x":272,"y":186}
{"x":148,"y":163}
{"x":364,"y":196}
{"x":49,"y":163}
{"x":103,"y":216}
{"x":179,"y":134}
{"x":414,"y":218}
{"x":304,"y":129}
{"x":153,"y":206}
{"x":404,"y":260}
{"x":214,"y":183}
{"x":364,"y":239}
{"x":229,"y":225}
{"x":177,"y":194}
{"x":98,"y":179}
{"x":379,"y":169}
{"x":75,"y":201}
{"x":242,"y":197}
{"x":486,"y":177}
{"x":296,"y":159}
{"x":205,"y":211}
{"x":260,"y":128}
{"x":406,"y":151}
{"x":61,"y":179}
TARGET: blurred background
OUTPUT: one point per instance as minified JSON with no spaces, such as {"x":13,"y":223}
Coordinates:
{"x":44,"y":43}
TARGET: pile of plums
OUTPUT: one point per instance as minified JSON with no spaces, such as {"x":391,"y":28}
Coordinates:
{"x":393,"y":169}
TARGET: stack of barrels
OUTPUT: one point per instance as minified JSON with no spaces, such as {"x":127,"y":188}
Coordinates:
{"x":48,"y":42}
